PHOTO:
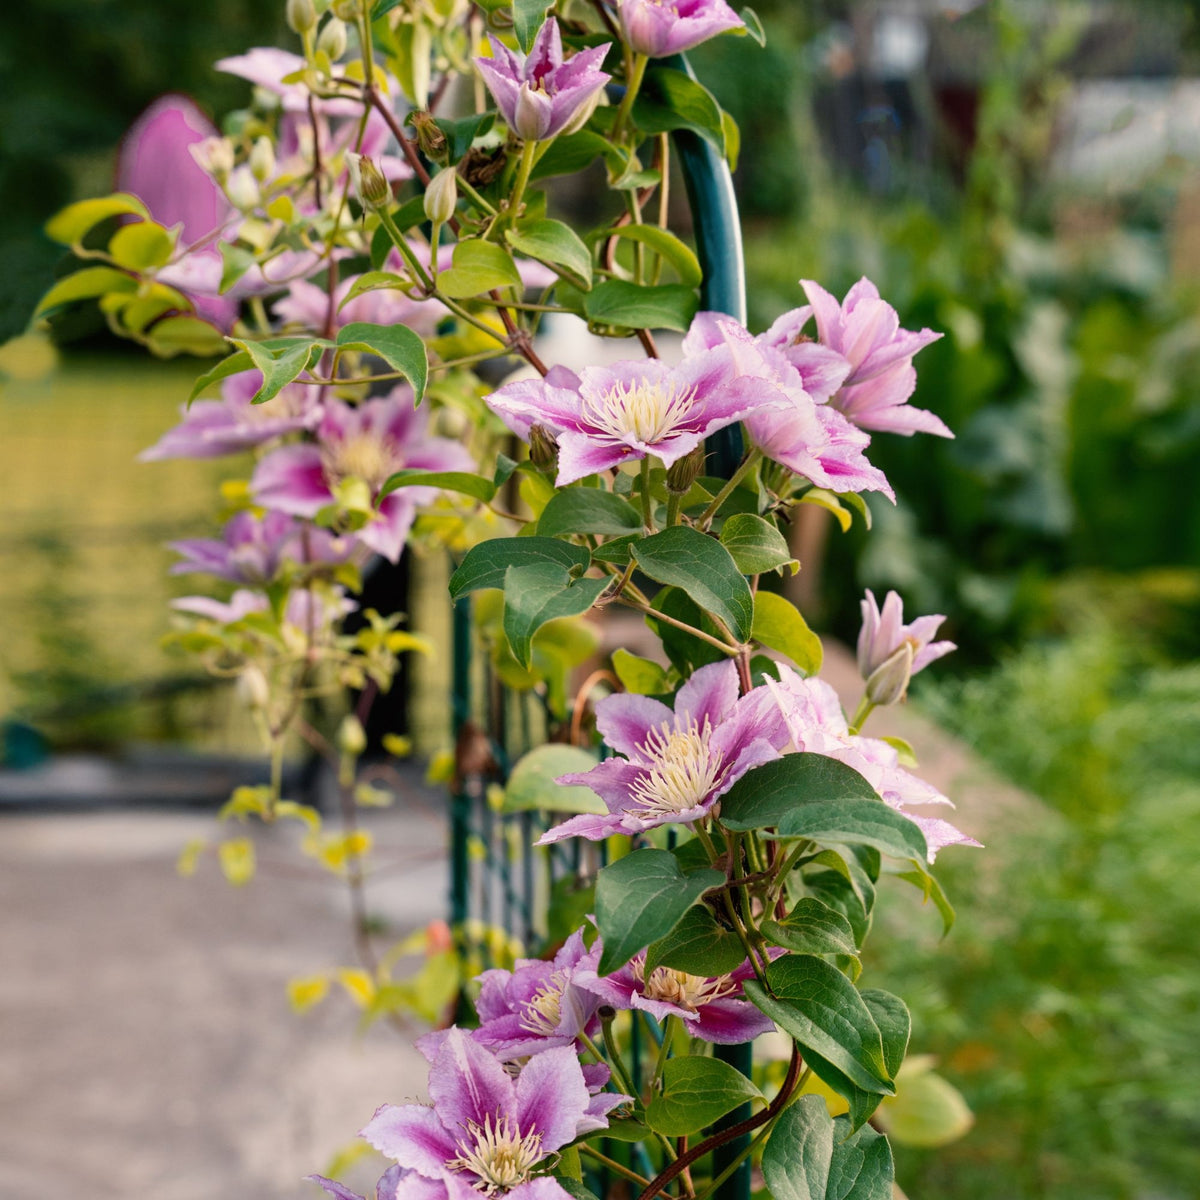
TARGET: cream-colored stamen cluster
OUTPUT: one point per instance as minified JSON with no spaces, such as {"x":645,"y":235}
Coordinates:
{"x":648,"y":412}
{"x":543,"y":1011}
{"x":684,"y":770}
{"x":690,"y":992}
{"x":498,"y":1155}
{"x":362,"y":456}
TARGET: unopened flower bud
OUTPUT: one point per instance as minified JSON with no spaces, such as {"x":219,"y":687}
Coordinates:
{"x":333,"y":39}
{"x":252,"y":688}
{"x":373,"y":189}
{"x":543,"y":449}
{"x":430,"y":138}
{"x":242,"y":189}
{"x":682,"y":473}
{"x":213,"y":155}
{"x":262,"y":159}
{"x":301,"y":16}
{"x":347,"y":10}
{"x":889,"y":681}
{"x":441,"y":196}
{"x":351,"y":737}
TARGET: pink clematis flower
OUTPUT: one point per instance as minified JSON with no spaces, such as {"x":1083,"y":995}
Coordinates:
{"x":539,"y":95}
{"x":787,"y":424}
{"x":817,"y":725}
{"x":712,"y":1008}
{"x":678,"y":763}
{"x":253,"y":549}
{"x":155,"y":164}
{"x":486,"y":1132}
{"x":890,"y":653}
{"x":306,"y":610}
{"x":866,"y":331}
{"x":213,"y":428}
{"x":605,"y":416}
{"x":661,"y":27}
{"x":370,"y":442}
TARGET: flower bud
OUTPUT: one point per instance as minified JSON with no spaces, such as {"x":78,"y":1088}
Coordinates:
{"x":333,"y":39}
{"x":441,"y":196}
{"x":213,"y":155}
{"x":543,"y":448}
{"x":682,"y":473}
{"x":262,"y":159}
{"x":373,"y":189}
{"x":531,"y":116}
{"x":242,"y":189}
{"x":889,"y":681}
{"x":351,"y":737}
{"x":430,"y":139}
{"x":252,"y":688}
{"x":301,"y":16}
{"x":347,"y":10}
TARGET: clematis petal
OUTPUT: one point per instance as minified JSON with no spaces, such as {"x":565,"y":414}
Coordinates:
{"x":468,"y":1084}
{"x":552,"y":1097}
{"x":414,"y":1135}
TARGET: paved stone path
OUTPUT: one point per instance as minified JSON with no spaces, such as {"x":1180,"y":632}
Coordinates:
{"x":147,"y":1048}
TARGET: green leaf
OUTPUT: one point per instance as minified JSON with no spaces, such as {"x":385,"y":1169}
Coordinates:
{"x":539,"y":593}
{"x":462,"y":131}
{"x":670,"y":100}
{"x":70,"y":224}
{"x":932,"y":891}
{"x":372,"y":281}
{"x":478,"y":267}
{"x":695,"y":1093}
{"x":528,"y":16}
{"x":822,"y":1010}
{"x":704,"y":569}
{"x":831,"y":502}
{"x":862,"y":1166}
{"x":641,"y":676}
{"x":927,"y":1110}
{"x":812,"y":928}
{"x":185,"y":335}
{"x":796,"y":1160}
{"x":855,"y":823}
{"x":401,"y":348}
{"x":484,"y":565}
{"x":686,"y":651}
{"x":733,"y":139}
{"x":616,"y":550}
{"x":632,"y":306}
{"x":753,"y":25}
{"x":587,"y":510}
{"x":697,"y":945}
{"x":141,"y":246}
{"x":279,"y":368}
{"x":241,"y":361}
{"x":531,"y":784}
{"x":235,"y":262}
{"x":756,"y":545}
{"x":766,"y":795}
{"x":621,"y":1131}
{"x":640,"y":898}
{"x":779,"y":626}
{"x":85,"y":285}
{"x":557,"y":244}
{"x":452,"y":481}
{"x":569,"y":155}
{"x":664,"y":243}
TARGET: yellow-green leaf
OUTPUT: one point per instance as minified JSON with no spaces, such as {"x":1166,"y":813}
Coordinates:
{"x":237,"y":860}
{"x":141,"y":246}
{"x":303,"y":994}
{"x":85,"y":285}
{"x":778,"y":625}
{"x":69,"y":225}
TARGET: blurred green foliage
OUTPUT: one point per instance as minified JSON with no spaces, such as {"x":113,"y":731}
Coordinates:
{"x":1067,"y":1010}
{"x":76,"y":75}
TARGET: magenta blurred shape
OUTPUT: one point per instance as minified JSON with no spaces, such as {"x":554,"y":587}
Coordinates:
{"x":156,"y":166}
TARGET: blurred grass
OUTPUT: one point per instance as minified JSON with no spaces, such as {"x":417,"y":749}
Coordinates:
{"x":1066,"y":1001}
{"x":83,"y":569}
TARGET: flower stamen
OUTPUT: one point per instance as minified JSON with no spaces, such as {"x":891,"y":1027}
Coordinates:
{"x":497,"y":1154}
{"x":645,"y":412}
{"x":684,"y":770}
